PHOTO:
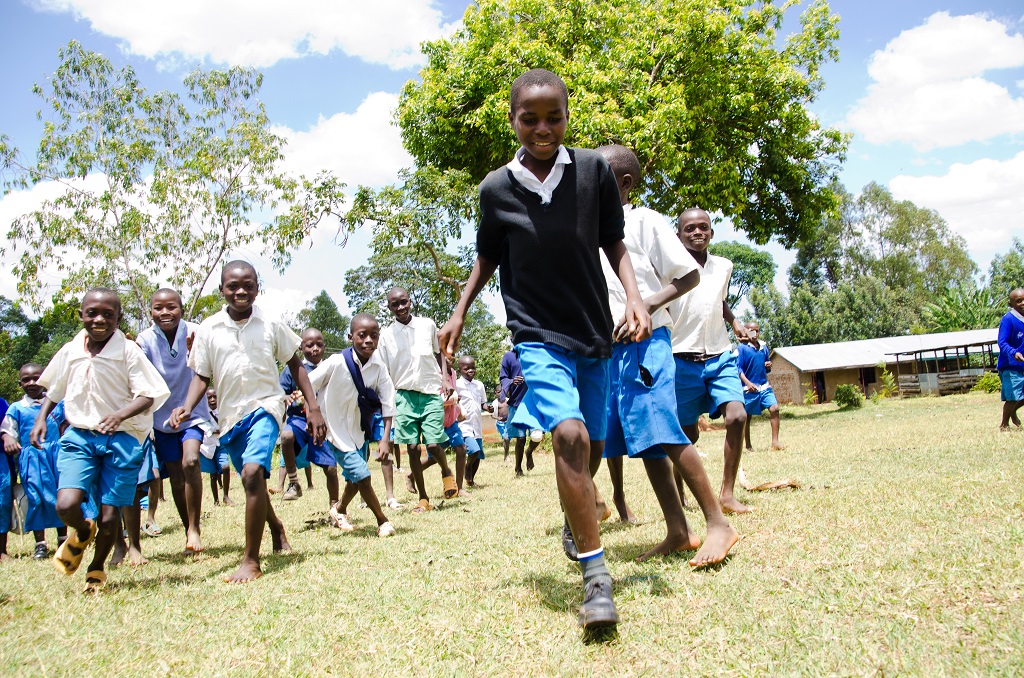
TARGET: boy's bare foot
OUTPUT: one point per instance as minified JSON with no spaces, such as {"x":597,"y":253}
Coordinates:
{"x":248,"y":571}
{"x":192,"y":543}
{"x":731,"y":506}
{"x":630,"y":518}
{"x":777,"y":446}
{"x":280,"y":541}
{"x":135,"y":558}
{"x":750,"y":448}
{"x":1005,"y":428}
{"x":716,"y":546}
{"x":227,"y":502}
{"x":410,"y":486}
{"x":5,"y":558}
{"x":271,"y":490}
{"x":687,"y":542}
{"x":120,"y":551}
{"x":603,"y":512}
{"x":1015,"y":420}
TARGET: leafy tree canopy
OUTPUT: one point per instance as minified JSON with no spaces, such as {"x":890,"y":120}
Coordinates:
{"x":1006,"y":273}
{"x":962,"y":307}
{"x":323,"y":314}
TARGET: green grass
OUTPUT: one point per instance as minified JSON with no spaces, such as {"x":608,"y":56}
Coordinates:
{"x":901,"y":554}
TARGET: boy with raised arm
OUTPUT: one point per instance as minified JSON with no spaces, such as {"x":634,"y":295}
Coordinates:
{"x":545,"y":217}
{"x":239,"y":348}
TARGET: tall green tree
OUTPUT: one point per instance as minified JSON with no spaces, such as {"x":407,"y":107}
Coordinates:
{"x":753,"y":269}
{"x":821,"y":256}
{"x":710,"y":95}
{"x":963,"y":307}
{"x":1006,"y":272}
{"x":323,"y":314}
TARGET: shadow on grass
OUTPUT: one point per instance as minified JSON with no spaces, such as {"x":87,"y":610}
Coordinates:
{"x":560,"y":595}
{"x":183,"y":557}
{"x":115,"y":585}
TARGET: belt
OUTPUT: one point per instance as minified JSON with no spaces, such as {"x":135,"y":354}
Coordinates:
{"x":696,"y":357}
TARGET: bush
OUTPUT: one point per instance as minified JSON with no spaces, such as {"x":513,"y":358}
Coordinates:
{"x":810,"y":395}
{"x":848,"y":395}
{"x":887,"y":387}
{"x":988,"y":383}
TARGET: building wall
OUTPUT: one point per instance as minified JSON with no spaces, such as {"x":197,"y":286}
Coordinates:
{"x":786,"y":381}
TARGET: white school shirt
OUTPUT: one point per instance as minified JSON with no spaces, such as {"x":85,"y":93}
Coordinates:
{"x":410,"y":354}
{"x":338,"y":397}
{"x":93,"y":387}
{"x":698,"y":325}
{"x":242,"y":358}
{"x":472,"y":395}
{"x":657,"y":256}
{"x":545,"y":189}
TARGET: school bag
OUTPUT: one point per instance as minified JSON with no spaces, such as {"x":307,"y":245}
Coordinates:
{"x":368,"y":400}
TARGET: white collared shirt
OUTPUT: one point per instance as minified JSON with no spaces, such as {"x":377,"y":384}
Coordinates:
{"x":9,"y":426}
{"x":545,"y":189}
{"x":242,"y":358}
{"x":698,"y":323}
{"x":472,"y":395}
{"x":1017,"y":315}
{"x":410,"y":354}
{"x":93,"y":387}
{"x":657,"y":256}
{"x":338,"y":397}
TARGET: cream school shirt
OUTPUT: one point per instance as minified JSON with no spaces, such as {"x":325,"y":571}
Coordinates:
{"x":698,"y":325}
{"x":242,"y":358}
{"x":657,"y":256}
{"x":472,"y":395}
{"x":410,"y":354}
{"x":338,"y":397}
{"x":93,"y":387}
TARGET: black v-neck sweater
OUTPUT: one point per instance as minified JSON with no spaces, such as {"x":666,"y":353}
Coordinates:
{"x":548,"y":255}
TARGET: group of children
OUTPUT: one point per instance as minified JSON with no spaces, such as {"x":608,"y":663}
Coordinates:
{"x":619,"y":326}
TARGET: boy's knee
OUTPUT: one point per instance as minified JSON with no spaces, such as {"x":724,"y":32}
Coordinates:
{"x":190,"y":464}
{"x":110,"y":518}
{"x":252,"y":476}
{"x":287,"y":436}
{"x":735,"y":415}
{"x":570,"y":434}
{"x":331,"y":471}
{"x":67,"y":505}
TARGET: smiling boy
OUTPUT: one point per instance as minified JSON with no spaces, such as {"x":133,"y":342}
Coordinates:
{"x":109,"y":390}
{"x":544,"y":218}
{"x":239,"y":348}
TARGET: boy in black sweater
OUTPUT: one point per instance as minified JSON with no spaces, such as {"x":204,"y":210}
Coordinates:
{"x":544,"y":218}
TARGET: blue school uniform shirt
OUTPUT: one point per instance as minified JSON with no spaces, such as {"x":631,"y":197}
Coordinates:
{"x":751,"y":363}
{"x":1011,"y":340}
{"x":37,"y":467}
{"x":171,"y":360}
{"x":289,"y":386}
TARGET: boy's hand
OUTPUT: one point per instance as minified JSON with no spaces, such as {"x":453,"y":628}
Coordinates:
{"x":11,"y":446}
{"x":739,"y":330}
{"x":315,"y":425}
{"x":110,"y":423}
{"x":38,"y":433}
{"x":487,"y":407}
{"x":518,"y":380}
{"x":178,"y":415}
{"x":636,"y":321}
{"x":768,"y":364}
{"x":1018,"y":357}
{"x":448,"y":337}
{"x":383,"y":451}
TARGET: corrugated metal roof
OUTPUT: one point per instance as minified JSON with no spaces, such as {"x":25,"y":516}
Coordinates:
{"x":870,"y":352}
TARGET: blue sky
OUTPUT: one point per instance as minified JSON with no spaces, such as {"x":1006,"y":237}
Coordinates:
{"x":932,"y":91}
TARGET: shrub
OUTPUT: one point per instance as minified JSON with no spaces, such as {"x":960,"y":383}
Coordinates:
{"x":988,"y":383}
{"x":887,"y":387}
{"x":848,"y":395}
{"x":810,"y":395}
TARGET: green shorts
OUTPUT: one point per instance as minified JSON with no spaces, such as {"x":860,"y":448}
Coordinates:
{"x":420,"y":418}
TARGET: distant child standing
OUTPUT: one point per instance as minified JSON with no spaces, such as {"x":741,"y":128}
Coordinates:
{"x":37,"y":466}
{"x":344,"y":384}
{"x":452,"y":417}
{"x":110,"y":391}
{"x":239,"y":348}
{"x":1011,"y":359}
{"x":514,"y":387}
{"x":545,"y":217}
{"x":410,"y":350}
{"x":472,"y":402}
{"x":754,"y":363}
{"x":213,"y":460}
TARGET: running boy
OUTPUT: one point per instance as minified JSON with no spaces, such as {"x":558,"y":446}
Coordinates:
{"x":754,"y":364}
{"x":339,"y":382}
{"x":110,"y":391}
{"x":1011,"y":359}
{"x":514,"y":386}
{"x":213,"y":460}
{"x":642,"y":419}
{"x":545,"y":217}
{"x":294,"y":439}
{"x":166,"y":343}
{"x":472,"y":402}
{"x":238,"y":348}
{"x":410,"y":350}
{"x":37,"y":466}
{"x":707,"y":379}
{"x":452,"y":428}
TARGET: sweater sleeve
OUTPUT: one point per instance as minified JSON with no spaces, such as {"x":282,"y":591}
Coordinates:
{"x":611,"y":221}
{"x":490,"y":236}
{"x":1005,"y":333}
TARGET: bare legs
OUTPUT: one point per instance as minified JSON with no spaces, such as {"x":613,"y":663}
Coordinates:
{"x":618,"y":493}
{"x":258,"y":511}
{"x":735,"y":421}
{"x":1010,"y":408}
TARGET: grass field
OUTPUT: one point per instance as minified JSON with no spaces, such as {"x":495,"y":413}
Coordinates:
{"x":901,"y":554}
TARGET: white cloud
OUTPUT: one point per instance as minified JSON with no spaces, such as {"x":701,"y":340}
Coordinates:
{"x":928,"y":88}
{"x":983,"y":201}
{"x":262,"y":32}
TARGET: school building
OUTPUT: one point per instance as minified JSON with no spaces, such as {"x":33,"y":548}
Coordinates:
{"x":923,"y":364}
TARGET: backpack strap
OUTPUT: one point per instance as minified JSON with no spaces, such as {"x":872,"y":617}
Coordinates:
{"x":368,"y":400}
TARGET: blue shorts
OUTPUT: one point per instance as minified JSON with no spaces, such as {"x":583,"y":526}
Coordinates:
{"x":150,"y":469}
{"x":704,"y":387}
{"x":454,"y":434}
{"x":315,"y":454}
{"x":220,"y":462}
{"x":353,"y":463}
{"x":377,"y":428}
{"x":474,"y":447}
{"x":759,"y":401}
{"x":169,"y":445}
{"x":563,"y":385}
{"x":1012,"y":383}
{"x":513,"y":430}
{"x":502,"y":428}
{"x":642,"y":407}
{"x":103,"y":464}
{"x":252,"y":441}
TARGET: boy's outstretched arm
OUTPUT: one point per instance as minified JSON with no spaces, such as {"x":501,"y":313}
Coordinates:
{"x":637,"y":320}
{"x":315,"y":423}
{"x":448,"y":336}
{"x":665,"y":295}
{"x":737,"y":327}
{"x":196,"y":390}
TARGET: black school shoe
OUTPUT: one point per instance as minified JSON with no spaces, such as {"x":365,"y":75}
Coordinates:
{"x":598,"y":609}
{"x":41,"y":552}
{"x":568,"y":543}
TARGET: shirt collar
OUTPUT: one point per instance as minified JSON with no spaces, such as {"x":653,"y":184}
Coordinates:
{"x":25,"y":400}
{"x":222,"y":317}
{"x":114,"y":344}
{"x":173,"y":345}
{"x":1017,"y":315}
{"x":562,"y":158}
